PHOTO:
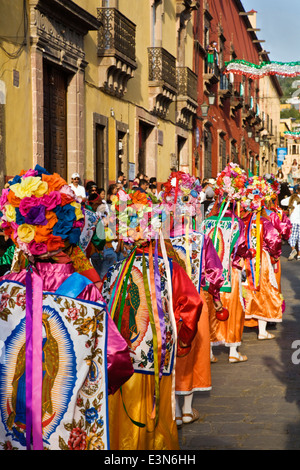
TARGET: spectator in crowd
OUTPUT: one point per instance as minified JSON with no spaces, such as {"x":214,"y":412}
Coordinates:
{"x":112,"y":190}
{"x":78,"y":189}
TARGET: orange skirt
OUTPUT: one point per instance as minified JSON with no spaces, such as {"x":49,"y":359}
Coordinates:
{"x":137,"y":398}
{"x":266,"y":303}
{"x":193,"y":372}
{"x":228,"y":332}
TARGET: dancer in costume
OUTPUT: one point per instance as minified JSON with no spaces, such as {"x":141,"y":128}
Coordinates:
{"x":262,"y":295}
{"x":279,"y":219}
{"x":154,"y":303}
{"x":227,"y":232}
{"x":56,"y":365}
{"x":195,"y":253}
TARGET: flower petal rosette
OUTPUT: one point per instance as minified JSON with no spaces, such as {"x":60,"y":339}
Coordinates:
{"x":39,"y":213}
{"x":273,"y":186}
{"x":230,"y":183}
{"x":257,"y":189}
{"x":134,"y":216}
{"x":181,"y":194}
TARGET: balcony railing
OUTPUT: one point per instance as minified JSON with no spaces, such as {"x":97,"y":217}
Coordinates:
{"x":116,"y":34}
{"x":187,"y":83}
{"x":162,"y":67}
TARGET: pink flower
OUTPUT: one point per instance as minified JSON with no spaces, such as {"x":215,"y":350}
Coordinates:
{"x":21,"y":299}
{"x":66,"y":189}
{"x":28,"y":203}
{"x":30,"y":173}
{"x":37,"y":249}
{"x":3,"y":198}
{"x":51,"y":200}
{"x":73,"y":313}
{"x":4,"y":299}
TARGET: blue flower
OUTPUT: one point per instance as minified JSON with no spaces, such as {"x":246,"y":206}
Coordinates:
{"x":19,"y":217}
{"x":74,"y":236}
{"x":17,"y":179}
{"x":91,"y":415}
{"x":41,"y":171}
{"x":65,"y":213}
{"x":150,"y":355}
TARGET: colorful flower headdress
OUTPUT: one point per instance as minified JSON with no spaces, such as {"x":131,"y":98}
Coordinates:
{"x":230,"y":183}
{"x":182,"y":194}
{"x":40,"y":212}
{"x":136,"y":217}
{"x":257,"y":189}
{"x":273,"y":186}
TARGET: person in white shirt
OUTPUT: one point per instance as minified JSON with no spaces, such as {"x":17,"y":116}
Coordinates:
{"x":78,"y":189}
{"x":293,"y":203}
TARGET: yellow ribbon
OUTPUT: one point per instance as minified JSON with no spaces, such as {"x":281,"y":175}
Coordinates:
{"x":257,"y":266}
{"x":187,"y":249}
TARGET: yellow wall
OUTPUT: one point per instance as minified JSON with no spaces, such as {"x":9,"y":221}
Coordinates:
{"x":17,"y":111}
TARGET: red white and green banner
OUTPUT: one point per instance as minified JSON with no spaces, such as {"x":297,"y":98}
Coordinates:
{"x":242,"y":67}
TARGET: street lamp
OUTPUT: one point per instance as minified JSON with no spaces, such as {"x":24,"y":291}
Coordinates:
{"x":249,"y":134}
{"x":211,"y":99}
{"x":205,"y":106}
{"x":204,"y":109}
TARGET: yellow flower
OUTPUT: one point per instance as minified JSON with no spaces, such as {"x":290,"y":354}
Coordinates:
{"x":94,"y":442}
{"x":10,"y":213}
{"x":78,"y":211}
{"x":28,"y":187}
{"x":42,"y":189}
{"x":26,"y":233}
{"x":109,"y":236}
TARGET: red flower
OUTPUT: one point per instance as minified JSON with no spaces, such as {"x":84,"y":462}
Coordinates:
{"x":77,"y":439}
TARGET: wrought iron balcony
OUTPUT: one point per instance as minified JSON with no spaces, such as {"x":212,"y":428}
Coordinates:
{"x":187,"y":83}
{"x":116,"y":50}
{"x":117,"y":34}
{"x":162,"y":79}
{"x":187,"y":95}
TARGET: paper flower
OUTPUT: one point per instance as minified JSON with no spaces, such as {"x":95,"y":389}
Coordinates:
{"x":230,"y":183}
{"x":40,"y":212}
{"x":181,"y":194}
{"x":133,"y":216}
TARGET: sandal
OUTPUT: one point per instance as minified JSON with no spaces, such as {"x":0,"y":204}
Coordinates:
{"x":238,"y":358}
{"x":188,"y":418}
{"x":266,"y":336}
{"x":213,"y":359}
{"x":178,"y":421}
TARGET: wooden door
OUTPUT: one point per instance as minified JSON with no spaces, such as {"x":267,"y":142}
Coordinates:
{"x":100,"y":158}
{"x":55,"y":120}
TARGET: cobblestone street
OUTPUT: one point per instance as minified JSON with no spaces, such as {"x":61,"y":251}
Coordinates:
{"x":255,"y":405}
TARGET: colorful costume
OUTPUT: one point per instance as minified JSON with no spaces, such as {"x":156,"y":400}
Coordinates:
{"x":193,"y":371}
{"x":155,"y":299}
{"x":60,"y":353}
{"x":262,"y":293}
{"x":227,"y":233}
{"x":228,"y":237}
{"x":181,"y":199}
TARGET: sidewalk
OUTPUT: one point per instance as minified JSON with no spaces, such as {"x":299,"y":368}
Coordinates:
{"x":255,"y":405}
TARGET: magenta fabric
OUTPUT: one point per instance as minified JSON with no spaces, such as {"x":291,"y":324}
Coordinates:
{"x":283,"y":225}
{"x":212,"y":269}
{"x":119,"y":366}
{"x":28,"y":355}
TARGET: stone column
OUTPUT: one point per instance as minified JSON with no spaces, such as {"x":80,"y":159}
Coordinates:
{"x":37,"y":106}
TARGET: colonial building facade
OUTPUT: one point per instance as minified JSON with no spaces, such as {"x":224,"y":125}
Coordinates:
{"x":230,"y":129}
{"x":102,"y":86}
